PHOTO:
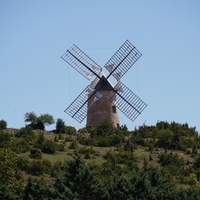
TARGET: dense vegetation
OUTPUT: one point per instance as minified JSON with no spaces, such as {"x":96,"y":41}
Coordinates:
{"x":102,"y":162}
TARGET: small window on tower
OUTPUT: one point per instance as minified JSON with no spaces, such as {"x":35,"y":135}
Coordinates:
{"x":114,"y":109}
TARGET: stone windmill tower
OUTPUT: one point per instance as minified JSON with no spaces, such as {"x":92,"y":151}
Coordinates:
{"x":99,"y":106}
{"x":101,"y":100}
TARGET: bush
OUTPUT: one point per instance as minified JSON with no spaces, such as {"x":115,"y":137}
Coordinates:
{"x":4,"y":139}
{"x":38,"y":167}
{"x":20,"y":145}
{"x":48,"y":146}
{"x":23,"y":163}
{"x":35,"y":153}
{"x":85,"y":140}
{"x":70,"y":130}
{"x":26,"y":133}
{"x":60,"y":147}
{"x":82,"y":130}
{"x":3,"y":124}
{"x":60,"y":126}
{"x":73,"y":145}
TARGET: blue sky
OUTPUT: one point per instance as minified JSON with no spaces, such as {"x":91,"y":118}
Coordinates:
{"x":34,"y":34}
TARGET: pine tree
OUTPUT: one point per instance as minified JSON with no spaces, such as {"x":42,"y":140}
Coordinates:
{"x":80,"y":180}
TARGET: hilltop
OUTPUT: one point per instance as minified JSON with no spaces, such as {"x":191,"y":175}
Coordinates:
{"x":166,"y":152}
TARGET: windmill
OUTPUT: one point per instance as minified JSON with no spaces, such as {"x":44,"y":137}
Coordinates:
{"x":101,"y":99}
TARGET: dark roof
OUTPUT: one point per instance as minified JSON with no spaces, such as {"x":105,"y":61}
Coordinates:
{"x":103,"y":84}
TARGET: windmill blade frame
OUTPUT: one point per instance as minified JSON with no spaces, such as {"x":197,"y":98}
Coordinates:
{"x":124,"y":58}
{"x":127,"y":102}
{"x":78,"y":108}
{"x":81,"y":62}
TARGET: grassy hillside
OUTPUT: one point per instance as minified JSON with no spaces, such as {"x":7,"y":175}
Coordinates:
{"x":170,"y":148}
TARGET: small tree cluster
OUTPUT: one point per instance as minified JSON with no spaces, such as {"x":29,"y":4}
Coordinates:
{"x":3,"y":124}
{"x":39,"y":122}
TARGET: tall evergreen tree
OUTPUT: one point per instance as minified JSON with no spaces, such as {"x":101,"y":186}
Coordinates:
{"x":80,"y":180}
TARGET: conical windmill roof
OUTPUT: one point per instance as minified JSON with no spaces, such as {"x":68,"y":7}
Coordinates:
{"x":100,"y":85}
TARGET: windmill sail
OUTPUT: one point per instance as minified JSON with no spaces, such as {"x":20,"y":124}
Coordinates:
{"x":122,"y":60}
{"x":127,"y":102}
{"x":81,"y":62}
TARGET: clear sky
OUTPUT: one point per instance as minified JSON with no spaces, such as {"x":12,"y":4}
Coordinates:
{"x":34,"y":34}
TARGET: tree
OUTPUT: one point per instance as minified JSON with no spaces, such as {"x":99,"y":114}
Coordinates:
{"x":46,"y":119}
{"x":70,"y":130}
{"x":80,"y":180}
{"x":165,"y":138}
{"x":8,"y":171}
{"x":35,"y":153}
{"x":30,"y":117}
{"x":26,"y":133}
{"x":35,"y":189}
{"x":60,"y":126}
{"x":39,"y":122}
{"x":105,"y":127}
{"x":48,"y":146}
{"x":3,"y":124}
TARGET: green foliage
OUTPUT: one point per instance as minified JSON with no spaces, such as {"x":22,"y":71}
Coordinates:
{"x":116,"y":174}
{"x":82,"y":130}
{"x":8,"y":166}
{"x":48,"y":146}
{"x":166,"y":135}
{"x":39,"y":140}
{"x":20,"y":145}
{"x":30,"y":117}
{"x":170,"y":159}
{"x":79,"y":182}
{"x":8,"y":171}
{"x":59,"y":147}
{"x":88,"y":141}
{"x":35,"y":153}
{"x":165,"y":138}
{"x":104,"y":128}
{"x":128,"y":159}
{"x":26,"y":133}
{"x":197,"y":162}
{"x":38,"y":125}
{"x":23,"y":163}
{"x":39,"y":167}
{"x":70,"y":130}
{"x":3,"y":124}
{"x":88,"y":152}
{"x":60,"y":126}
{"x":46,"y":119}
{"x":35,"y":189}
{"x":5,"y":139}
{"x":73,"y":145}
{"x":7,"y":194}
{"x":172,"y":164}
{"x":39,"y":122}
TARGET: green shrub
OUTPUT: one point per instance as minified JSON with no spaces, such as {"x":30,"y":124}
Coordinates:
{"x":20,"y":145}
{"x":73,"y":145}
{"x":26,"y":133}
{"x":23,"y":163}
{"x":60,"y":126}
{"x":3,"y":124}
{"x":82,"y":130}
{"x":70,"y":130}
{"x":38,"y":167}
{"x":35,"y":153}
{"x":68,"y":139}
{"x":85,"y":140}
{"x":4,"y":139}
{"x":60,"y":147}
{"x":56,"y":139}
{"x":48,"y":146}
